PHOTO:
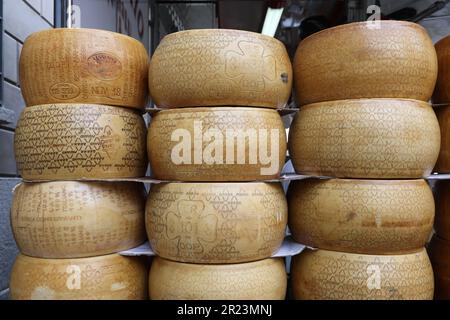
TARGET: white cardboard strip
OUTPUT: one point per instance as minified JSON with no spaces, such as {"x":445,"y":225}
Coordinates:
{"x":287,"y":249}
{"x":283,"y":178}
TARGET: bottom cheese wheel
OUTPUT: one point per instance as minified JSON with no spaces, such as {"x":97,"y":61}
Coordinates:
{"x":70,"y":219}
{"x":111,"y":277}
{"x":216,"y":222}
{"x":361,"y":216}
{"x":331,"y":275}
{"x":439,"y":250}
{"x":260,"y":280}
{"x":442,"y":222}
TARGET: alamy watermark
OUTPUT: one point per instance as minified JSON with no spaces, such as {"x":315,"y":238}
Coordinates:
{"x":234,"y":146}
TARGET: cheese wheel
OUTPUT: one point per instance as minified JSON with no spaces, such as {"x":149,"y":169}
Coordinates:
{"x":260,"y":280}
{"x":110,"y":277}
{"x":217,"y":144}
{"x":362,"y":216}
{"x":368,"y":138}
{"x":442,"y":90}
{"x":216,"y":222}
{"x":69,"y":219}
{"x":443,"y":162}
{"x":75,"y":141}
{"x":217,"y":67}
{"x":439,"y":250}
{"x":360,"y":60}
{"x":442,"y":222}
{"x":83,"y":66}
{"x":331,"y":275}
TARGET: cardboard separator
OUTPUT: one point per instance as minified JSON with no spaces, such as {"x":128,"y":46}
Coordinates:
{"x":289,"y":248}
{"x":286,"y":177}
{"x":282,"y":111}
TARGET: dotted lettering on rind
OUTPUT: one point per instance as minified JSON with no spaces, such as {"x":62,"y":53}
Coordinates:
{"x":216,"y":223}
{"x":364,"y":216}
{"x":377,"y":138}
{"x":80,"y":141}
{"x":327,"y":275}
{"x":355,"y":61}
{"x":220,"y":67}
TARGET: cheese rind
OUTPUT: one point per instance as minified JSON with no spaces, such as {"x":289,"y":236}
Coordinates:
{"x":76,"y":141}
{"x":365,"y":138}
{"x":110,"y":277}
{"x":219,"y":67}
{"x":361,"y":216}
{"x":84,"y":66}
{"x":216,"y":144}
{"x":373,"y":59}
{"x":331,"y":275}
{"x":216,"y":222}
{"x":260,"y":280}
{"x":68,"y":219}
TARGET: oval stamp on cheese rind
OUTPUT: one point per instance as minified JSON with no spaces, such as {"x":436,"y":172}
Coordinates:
{"x":64,"y":91}
{"x":104,"y":66}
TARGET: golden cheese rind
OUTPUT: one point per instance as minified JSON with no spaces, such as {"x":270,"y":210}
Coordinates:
{"x":394,"y":59}
{"x":76,"y":141}
{"x":194,"y":132}
{"x":69,"y":219}
{"x":111,"y":277}
{"x":84,"y":66}
{"x":331,"y":275}
{"x":213,"y":67}
{"x":365,"y":138}
{"x":216,"y":222}
{"x":260,"y":280}
{"x":442,"y":89}
{"x":361,"y":216}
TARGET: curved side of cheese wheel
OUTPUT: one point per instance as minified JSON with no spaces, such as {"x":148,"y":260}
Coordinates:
{"x":330,"y":275}
{"x":367,"y":138}
{"x":362,"y":216}
{"x":261,"y":280}
{"x":356,"y":60}
{"x":213,"y":67}
{"x":443,"y":162}
{"x":442,"y":221}
{"x":190,"y":144}
{"x":216,"y":222}
{"x":70,"y":219}
{"x":84,"y":66}
{"x":110,"y":277}
{"x":442,"y":90}
{"x":75,"y":141}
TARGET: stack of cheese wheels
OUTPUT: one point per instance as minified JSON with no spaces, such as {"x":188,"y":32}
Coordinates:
{"x":441,"y":99}
{"x":365,"y":123}
{"x":439,"y":247}
{"x":85,"y":92}
{"x":217,"y":223}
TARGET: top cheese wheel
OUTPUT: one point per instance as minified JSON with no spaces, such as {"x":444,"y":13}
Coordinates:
{"x":216,"y":67}
{"x":360,"y":60}
{"x":442,"y":90}
{"x":84,"y":66}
